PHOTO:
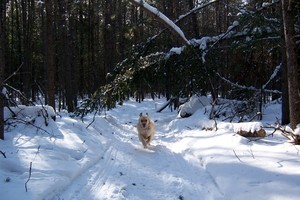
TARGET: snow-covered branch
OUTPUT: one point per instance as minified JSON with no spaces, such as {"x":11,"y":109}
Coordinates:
{"x":162,"y":18}
{"x":215,"y":40}
{"x":192,"y":11}
{"x":273,"y":75}
{"x":196,"y":9}
{"x":248,"y":87}
{"x":276,"y":70}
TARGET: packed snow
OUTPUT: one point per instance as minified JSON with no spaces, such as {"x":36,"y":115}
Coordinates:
{"x":187,"y":160}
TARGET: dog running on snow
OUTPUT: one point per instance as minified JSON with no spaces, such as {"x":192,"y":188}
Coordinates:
{"x":146,"y":129}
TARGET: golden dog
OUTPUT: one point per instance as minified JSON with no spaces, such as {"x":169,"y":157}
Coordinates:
{"x":146,"y":129}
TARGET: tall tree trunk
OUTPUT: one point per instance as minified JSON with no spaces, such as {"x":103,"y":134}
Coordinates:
{"x":195,"y":27}
{"x":109,"y":39}
{"x":2,"y":63}
{"x":26,"y":76}
{"x":31,"y":26}
{"x":66,"y":69}
{"x":19,"y":43}
{"x":292,"y":63}
{"x":285,"y":110}
{"x":121,"y":23}
{"x":50,"y":54}
{"x":92,"y":44}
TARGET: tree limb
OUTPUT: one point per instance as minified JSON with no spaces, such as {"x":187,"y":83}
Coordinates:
{"x":13,"y":74}
{"x":29,"y":176}
{"x":236,"y":155}
{"x":28,"y":101}
{"x":30,"y":122}
{"x":3,"y":153}
{"x":181,"y":17}
{"x":162,"y":19}
{"x":246,"y":87}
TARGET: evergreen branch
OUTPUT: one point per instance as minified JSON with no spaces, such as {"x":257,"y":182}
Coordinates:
{"x":219,"y":38}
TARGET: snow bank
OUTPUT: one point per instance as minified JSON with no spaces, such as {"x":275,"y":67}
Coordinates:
{"x":199,"y":121}
{"x":23,"y":111}
{"x":59,"y":151}
{"x":247,"y":126}
{"x":189,"y":108}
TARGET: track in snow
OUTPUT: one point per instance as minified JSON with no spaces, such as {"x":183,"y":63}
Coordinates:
{"x":128,"y":171}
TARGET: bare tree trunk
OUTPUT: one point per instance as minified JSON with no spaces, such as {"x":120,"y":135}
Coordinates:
{"x":292,"y":63}
{"x":50,"y":54}
{"x":109,"y":39}
{"x":195,"y":27}
{"x":27,"y":7}
{"x":2,"y":64}
{"x":285,"y":110}
{"x":65,"y":65}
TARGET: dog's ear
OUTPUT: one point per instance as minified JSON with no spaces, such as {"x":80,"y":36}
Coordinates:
{"x":147,"y":114}
{"x":141,"y":114}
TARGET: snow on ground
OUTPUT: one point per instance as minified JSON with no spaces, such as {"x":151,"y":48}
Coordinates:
{"x":107,"y":161}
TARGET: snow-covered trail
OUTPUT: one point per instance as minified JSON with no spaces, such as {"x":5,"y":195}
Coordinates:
{"x":128,"y":171}
{"x":186,"y":160}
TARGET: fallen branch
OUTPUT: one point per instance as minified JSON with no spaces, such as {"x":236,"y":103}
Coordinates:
{"x":94,"y":118}
{"x":165,"y":105}
{"x":290,"y":135}
{"x":3,"y":153}
{"x":30,"y":122}
{"x":13,"y":74}
{"x":45,"y":115}
{"x":257,"y":133}
{"x":38,"y":151}
{"x":236,"y":155}
{"x":212,"y":114}
{"x":22,"y":97}
{"x":251,"y":152}
{"x":29,"y":176}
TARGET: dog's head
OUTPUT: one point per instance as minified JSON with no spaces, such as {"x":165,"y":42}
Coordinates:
{"x":144,"y":120}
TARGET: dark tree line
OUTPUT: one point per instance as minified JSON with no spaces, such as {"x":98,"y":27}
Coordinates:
{"x":101,"y":52}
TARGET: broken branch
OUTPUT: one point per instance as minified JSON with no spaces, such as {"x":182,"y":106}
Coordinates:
{"x":29,"y":176}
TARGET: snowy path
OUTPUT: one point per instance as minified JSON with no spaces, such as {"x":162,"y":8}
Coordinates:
{"x":107,"y":161}
{"x":127,"y":171}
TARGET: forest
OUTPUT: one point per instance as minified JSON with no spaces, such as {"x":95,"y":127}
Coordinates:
{"x":89,"y":55}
